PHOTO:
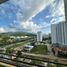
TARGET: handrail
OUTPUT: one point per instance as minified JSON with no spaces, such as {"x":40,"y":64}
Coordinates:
{"x":19,"y":62}
{"x":37,"y":59}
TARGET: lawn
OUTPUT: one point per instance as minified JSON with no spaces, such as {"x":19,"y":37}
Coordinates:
{"x":40,"y":49}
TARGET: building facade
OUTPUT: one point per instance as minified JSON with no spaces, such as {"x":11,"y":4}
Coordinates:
{"x":39,"y":36}
{"x":59,"y":33}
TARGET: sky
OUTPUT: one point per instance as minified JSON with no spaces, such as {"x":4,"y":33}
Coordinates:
{"x":30,"y":15}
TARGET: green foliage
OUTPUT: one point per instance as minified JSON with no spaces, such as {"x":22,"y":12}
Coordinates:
{"x":40,"y":49}
{"x":2,"y":66}
{"x":9,"y":50}
{"x":36,"y":62}
{"x":32,"y":43}
{"x":58,"y":65}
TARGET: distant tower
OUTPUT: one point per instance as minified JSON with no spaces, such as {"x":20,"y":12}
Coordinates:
{"x":39,"y":36}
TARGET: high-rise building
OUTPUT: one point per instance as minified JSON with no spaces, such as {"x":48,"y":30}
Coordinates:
{"x":59,"y":33}
{"x":39,"y":36}
{"x":53,"y":33}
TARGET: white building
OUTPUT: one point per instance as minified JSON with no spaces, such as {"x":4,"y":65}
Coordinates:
{"x":39,"y":36}
{"x":59,"y":33}
{"x":53,"y":33}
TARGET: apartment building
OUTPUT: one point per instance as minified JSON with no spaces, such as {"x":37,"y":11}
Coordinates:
{"x":39,"y":36}
{"x":59,"y":33}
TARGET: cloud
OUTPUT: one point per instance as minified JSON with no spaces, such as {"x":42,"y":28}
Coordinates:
{"x":57,"y":20}
{"x":6,"y":29}
{"x":30,"y":26}
{"x":2,"y":30}
{"x":19,"y":16}
{"x":57,"y":11}
{"x":29,"y":8}
{"x":48,"y":16}
{"x":57,"y":8}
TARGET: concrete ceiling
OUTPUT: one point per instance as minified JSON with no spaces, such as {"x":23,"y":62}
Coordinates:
{"x":2,"y":1}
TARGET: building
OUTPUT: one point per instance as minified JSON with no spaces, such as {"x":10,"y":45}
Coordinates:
{"x":53,"y":33}
{"x":39,"y":36}
{"x":59,"y":33}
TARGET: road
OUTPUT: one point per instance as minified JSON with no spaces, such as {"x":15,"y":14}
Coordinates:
{"x":21,"y":47}
{"x":10,"y":45}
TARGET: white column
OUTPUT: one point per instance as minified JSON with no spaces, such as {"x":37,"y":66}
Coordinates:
{"x":65,"y":32}
{"x":65,"y":6}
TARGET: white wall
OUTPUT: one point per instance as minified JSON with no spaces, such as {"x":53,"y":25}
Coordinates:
{"x":53,"y":33}
{"x":39,"y":36}
{"x":59,"y":33}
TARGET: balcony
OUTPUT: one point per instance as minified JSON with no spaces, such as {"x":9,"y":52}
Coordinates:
{"x":30,"y":60}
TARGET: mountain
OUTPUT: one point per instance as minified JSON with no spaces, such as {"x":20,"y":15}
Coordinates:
{"x":17,"y":34}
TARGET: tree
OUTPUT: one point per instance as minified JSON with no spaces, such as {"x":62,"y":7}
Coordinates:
{"x":33,"y":43}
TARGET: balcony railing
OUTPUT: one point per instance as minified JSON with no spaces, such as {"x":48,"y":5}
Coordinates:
{"x":6,"y":58}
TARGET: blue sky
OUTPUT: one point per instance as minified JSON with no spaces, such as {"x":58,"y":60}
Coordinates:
{"x":30,"y":15}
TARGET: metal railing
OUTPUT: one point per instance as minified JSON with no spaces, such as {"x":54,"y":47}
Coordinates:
{"x":6,"y":58}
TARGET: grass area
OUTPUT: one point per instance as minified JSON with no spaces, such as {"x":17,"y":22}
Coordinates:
{"x":40,"y":49}
{"x":59,"y":65}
